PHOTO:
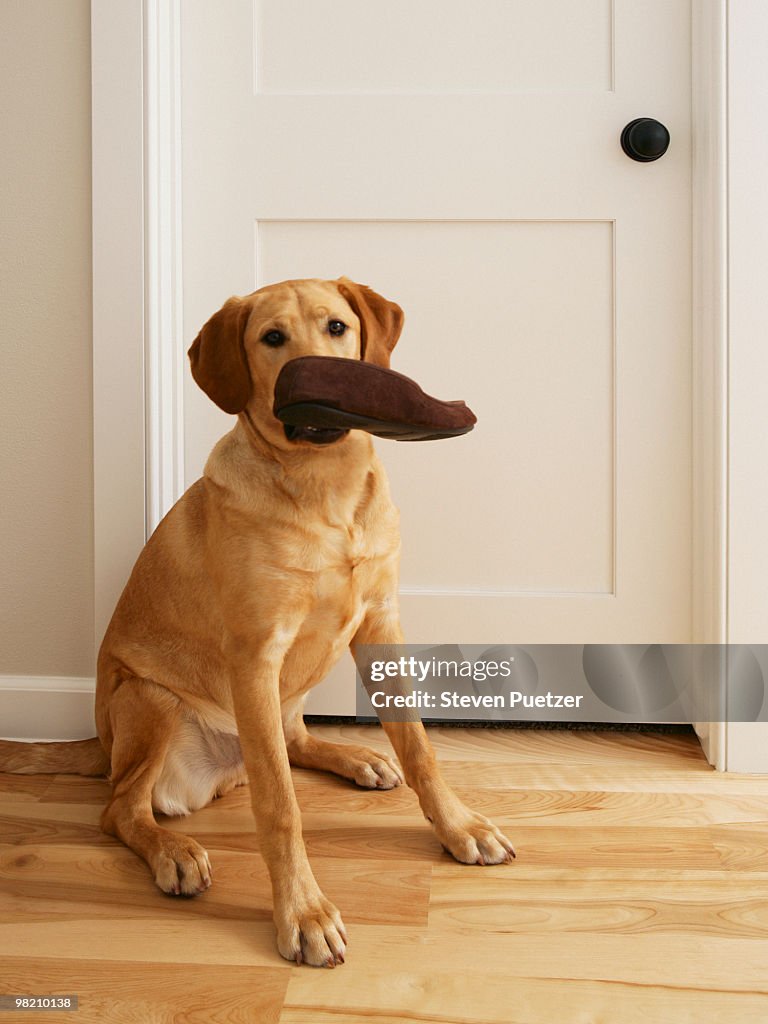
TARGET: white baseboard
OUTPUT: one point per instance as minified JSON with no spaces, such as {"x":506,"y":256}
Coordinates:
{"x":746,"y":746}
{"x":46,"y":708}
{"x":61,"y":708}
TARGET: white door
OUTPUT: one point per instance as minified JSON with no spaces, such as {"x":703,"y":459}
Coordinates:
{"x":463,"y":159}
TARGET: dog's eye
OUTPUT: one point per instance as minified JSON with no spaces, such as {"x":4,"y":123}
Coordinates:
{"x":274,"y":339}
{"x":336,"y":327}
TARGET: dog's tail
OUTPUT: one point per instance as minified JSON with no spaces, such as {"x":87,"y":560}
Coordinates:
{"x":75,"y":757}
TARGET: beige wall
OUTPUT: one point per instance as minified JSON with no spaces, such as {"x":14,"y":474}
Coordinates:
{"x":46,"y":522}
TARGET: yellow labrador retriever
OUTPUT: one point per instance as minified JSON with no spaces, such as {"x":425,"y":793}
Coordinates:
{"x":281,"y":556}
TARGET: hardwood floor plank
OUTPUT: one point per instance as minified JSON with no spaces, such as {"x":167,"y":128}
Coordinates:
{"x":705,"y":963}
{"x":327,"y":794}
{"x":477,"y":998}
{"x":46,"y":883}
{"x":194,"y":940}
{"x":84,"y":815}
{"x":150,"y":993}
{"x":565,"y":873}
{"x":633,"y":846}
{"x":49,"y":823}
{"x":510,"y":746}
{"x":718,"y":906}
{"x":619,"y":779}
{"x":741,"y":847}
{"x":23,"y":787}
{"x":71,"y":789}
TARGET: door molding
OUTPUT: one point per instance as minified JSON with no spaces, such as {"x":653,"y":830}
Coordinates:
{"x":163,"y":331}
{"x":138,"y":361}
{"x":710,"y":342}
{"x":119,"y":285}
{"x":139,"y":348}
{"x":746,"y":744}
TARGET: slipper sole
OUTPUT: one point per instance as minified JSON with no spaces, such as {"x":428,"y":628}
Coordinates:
{"x":315,"y":414}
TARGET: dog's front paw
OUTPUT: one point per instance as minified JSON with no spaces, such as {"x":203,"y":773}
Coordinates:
{"x":310,"y":930}
{"x":472,"y":838}
{"x":181,"y":866}
{"x":372,"y":770}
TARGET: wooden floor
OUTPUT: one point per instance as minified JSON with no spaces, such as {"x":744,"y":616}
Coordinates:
{"x":639,"y":896}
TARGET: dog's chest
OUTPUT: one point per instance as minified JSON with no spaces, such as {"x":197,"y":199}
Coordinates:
{"x":346,"y":571}
{"x":344,"y":560}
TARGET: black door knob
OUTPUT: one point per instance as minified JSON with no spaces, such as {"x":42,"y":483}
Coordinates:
{"x":645,"y":139}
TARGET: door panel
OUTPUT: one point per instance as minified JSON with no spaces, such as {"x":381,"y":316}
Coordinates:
{"x":463,"y":159}
{"x":347,"y":46}
{"x":546,"y":493}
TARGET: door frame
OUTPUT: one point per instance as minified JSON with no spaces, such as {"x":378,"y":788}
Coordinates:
{"x":137,"y":345}
{"x":139,"y":362}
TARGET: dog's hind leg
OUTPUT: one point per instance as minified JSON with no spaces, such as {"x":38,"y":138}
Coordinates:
{"x":144,"y":720}
{"x":369,"y":768}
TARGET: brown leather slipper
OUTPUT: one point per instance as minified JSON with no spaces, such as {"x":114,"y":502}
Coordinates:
{"x":326,"y":393}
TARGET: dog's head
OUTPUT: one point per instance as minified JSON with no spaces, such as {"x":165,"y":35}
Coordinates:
{"x":238,"y":354}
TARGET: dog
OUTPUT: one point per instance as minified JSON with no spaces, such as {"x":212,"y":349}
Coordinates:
{"x":284,"y":554}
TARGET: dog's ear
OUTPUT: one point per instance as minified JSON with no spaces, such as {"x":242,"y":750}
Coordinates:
{"x":217,"y":357}
{"x":381,"y":321}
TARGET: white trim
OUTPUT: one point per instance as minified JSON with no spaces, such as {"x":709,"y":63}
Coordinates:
{"x":163,"y":327}
{"x":47,"y":707}
{"x":710,"y":343}
{"x":416,"y":591}
{"x":54,"y":684}
{"x":138,"y":351}
{"x":118,"y":297}
{"x":747,"y":161}
{"x":744,"y":747}
{"x":731,"y":309}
